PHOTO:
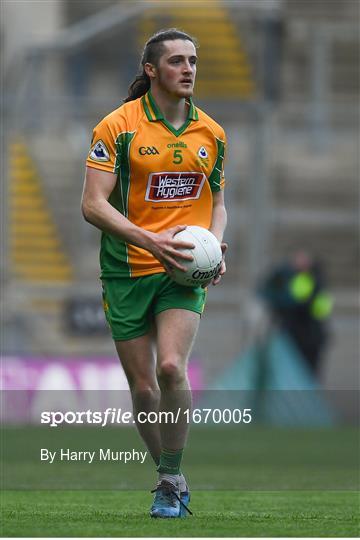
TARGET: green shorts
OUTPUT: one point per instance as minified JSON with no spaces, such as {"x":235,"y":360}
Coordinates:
{"x":130,"y":304}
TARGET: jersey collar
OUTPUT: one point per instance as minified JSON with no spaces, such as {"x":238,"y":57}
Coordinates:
{"x":154,"y":114}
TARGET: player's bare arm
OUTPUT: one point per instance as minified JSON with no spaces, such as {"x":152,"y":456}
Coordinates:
{"x":218,"y":225}
{"x":99,"y":212}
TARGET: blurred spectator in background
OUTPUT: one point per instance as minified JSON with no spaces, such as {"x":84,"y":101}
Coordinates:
{"x":297,"y":298}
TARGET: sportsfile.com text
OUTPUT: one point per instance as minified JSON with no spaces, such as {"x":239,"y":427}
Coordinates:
{"x":119,"y":416}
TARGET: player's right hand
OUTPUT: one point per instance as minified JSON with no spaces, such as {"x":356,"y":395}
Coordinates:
{"x":166,"y":249}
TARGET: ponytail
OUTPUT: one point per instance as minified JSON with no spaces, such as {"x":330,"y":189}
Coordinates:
{"x":153,"y":50}
{"x":138,"y":87}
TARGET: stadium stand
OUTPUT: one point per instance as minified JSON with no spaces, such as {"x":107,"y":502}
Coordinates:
{"x":36,"y":252}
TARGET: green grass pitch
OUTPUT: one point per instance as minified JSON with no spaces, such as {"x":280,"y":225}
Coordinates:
{"x":222,"y":514}
{"x":257,"y":482}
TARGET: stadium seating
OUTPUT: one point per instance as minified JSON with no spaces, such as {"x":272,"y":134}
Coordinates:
{"x":36,"y":251}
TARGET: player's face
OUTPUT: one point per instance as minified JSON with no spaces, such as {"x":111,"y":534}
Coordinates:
{"x":176,"y":70}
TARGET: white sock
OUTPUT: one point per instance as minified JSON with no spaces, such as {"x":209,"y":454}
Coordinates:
{"x":172,"y":478}
{"x":182,"y":483}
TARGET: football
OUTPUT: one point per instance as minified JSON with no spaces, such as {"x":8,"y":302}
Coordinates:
{"x":207,"y":257}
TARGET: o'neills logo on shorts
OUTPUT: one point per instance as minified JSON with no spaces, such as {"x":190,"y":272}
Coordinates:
{"x":174,"y":186}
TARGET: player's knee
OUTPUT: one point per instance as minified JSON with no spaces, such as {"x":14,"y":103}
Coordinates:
{"x":143,"y":387}
{"x":170,"y":373}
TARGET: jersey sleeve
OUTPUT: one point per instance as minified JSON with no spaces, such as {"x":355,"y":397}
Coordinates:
{"x":102,"y":154}
{"x":217,"y":176}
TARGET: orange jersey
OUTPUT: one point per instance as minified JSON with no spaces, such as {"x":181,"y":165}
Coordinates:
{"x":165,"y":176}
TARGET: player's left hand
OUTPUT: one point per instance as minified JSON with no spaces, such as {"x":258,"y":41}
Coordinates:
{"x":216,"y":280}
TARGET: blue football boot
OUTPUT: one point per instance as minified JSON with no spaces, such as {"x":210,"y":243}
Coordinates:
{"x":167,"y":501}
{"x":185,"y":500}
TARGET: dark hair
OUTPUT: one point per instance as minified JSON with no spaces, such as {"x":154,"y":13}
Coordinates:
{"x":153,"y":50}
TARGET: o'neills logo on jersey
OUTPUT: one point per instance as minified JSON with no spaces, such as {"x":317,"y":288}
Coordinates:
{"x":174,"y":186}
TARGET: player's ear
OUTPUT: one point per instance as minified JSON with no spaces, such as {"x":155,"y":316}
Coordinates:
{"x":150,"y":70}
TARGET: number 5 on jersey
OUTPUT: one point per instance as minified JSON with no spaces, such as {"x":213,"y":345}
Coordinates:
{"x":177,"y":157}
